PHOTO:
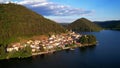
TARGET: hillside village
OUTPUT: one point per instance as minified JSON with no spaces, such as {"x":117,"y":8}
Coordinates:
{"x":52,"y":43}
{"x":17,"y":41}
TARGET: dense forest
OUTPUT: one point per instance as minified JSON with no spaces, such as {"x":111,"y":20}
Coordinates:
{"x":83,"y":25}
{"x":112,"y":25}
{"x":17,"y":21}
{"x":88,"y":40}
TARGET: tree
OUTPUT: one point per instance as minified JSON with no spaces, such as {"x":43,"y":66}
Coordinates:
{"x":91,"y":39}
{"x":87,"y":39}
{"x":83,"y":39}
{"x":2,"y":52}
{"x":25,"y":52}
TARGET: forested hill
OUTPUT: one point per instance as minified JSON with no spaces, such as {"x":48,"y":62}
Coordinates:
{"x":19,"y":21}
{"x":83,"y":25}
{"x":114,"y":25}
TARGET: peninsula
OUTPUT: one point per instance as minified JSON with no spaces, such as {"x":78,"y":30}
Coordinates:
{"x":50,"y":44}
{"x":25,"y":33}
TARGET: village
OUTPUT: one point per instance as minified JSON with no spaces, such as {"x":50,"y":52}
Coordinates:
{"x":53,"y":43}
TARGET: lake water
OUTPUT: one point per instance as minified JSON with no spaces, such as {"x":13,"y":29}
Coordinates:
{"x":105,"y":55}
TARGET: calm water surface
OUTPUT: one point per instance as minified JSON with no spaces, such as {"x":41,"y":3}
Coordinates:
{"x":105,"y":55}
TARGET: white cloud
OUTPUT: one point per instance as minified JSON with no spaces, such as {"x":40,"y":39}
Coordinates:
{"x":47,"y":8}
{"x":36,"y":0}
{"x":31,"y":1}
{"x":62,"y":19}
{"x":40,"y":4}
{"x":3,"y":1}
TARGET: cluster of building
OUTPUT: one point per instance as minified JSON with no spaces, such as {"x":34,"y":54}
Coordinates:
{"x":53,"y":42}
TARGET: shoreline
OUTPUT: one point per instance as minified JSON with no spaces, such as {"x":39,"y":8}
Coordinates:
{"x":51,"y":51}
{"x":71,"y":48}
{"x":46,"y":52}
{"x":54,"y":43}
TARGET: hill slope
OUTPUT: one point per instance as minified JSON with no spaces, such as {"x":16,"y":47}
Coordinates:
{"x":18,"y":21}
{"x":83,"y":25}
{"x":114,"y":25}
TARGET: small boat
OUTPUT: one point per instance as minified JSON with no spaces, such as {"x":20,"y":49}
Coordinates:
{"x":72,"y":49}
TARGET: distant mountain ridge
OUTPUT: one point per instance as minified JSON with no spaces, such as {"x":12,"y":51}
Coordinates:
{"x":83,"y":25}
{"x":114,"y":24}
{"x":19,"y":21}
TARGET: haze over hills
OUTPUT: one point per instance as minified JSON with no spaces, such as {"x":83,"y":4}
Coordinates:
{"x":83,"y":25}
{"x":19,"y":21}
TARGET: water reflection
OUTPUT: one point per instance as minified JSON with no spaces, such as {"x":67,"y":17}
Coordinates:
{"x":67,"y":50}
{"x":12,"y":62}
{"x":92,"y":48}
{"x":42,"y":56}
{"x":82,"y":49}
{"x":87,"y":49}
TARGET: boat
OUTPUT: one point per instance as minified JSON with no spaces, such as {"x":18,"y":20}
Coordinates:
{"x":72,"y":49}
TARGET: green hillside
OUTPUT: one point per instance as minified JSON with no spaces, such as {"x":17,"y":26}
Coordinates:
{"x":111,"y":25}
{"x":83,"y":25}
{"x":19,"y":21}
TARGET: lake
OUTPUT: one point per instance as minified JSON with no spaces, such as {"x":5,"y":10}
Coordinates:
{"x":104,"y":55}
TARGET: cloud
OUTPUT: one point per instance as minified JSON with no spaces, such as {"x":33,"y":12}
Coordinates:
{"x":29,"y":2}
{"x":3,"y":1}
{"x":62,"y":19}
{"x":47,"y":8}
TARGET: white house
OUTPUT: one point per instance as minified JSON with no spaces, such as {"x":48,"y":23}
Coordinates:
{"x":10,"y":49}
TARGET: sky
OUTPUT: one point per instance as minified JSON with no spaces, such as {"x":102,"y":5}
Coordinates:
{"x":67,"y":11}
